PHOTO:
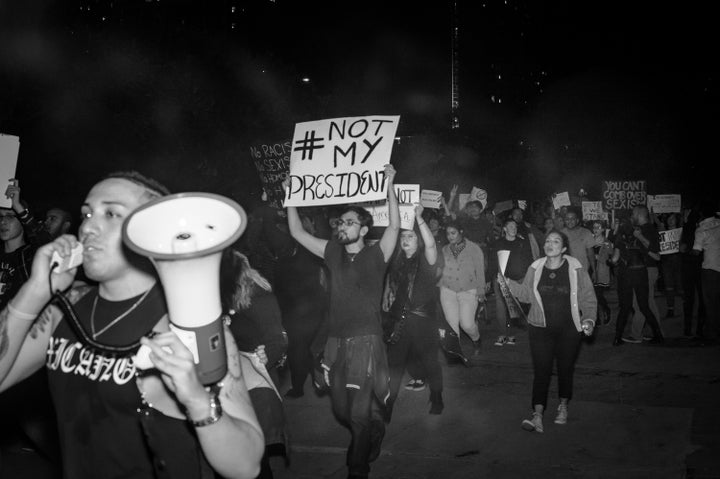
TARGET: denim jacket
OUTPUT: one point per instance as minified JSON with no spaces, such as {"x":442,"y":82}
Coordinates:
{"x":583,"y":303}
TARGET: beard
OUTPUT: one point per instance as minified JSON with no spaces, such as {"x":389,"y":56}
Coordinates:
{"x":344,"y":239}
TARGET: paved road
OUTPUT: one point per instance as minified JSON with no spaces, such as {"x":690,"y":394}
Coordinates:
{"x":639,"y":411}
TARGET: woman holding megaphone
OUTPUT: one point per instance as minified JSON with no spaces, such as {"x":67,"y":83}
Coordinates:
{"x":114,"y":419}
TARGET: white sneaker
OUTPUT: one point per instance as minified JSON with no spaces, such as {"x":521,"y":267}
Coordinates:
{"x":410,"y":386}
{"x":562,"y":414}
{"x":534,"y":424}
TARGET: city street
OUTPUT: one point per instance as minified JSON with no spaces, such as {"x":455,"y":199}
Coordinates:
{"x":639,"y":411}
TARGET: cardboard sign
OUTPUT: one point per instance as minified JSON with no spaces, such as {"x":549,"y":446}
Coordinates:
{"x":670,"y":241}
{"x":503,"y":206}
{"x":431,"y":199}
{"x":561,"y":199}
{"x":592,"y":210}
{"x":9,"y":149}
{"x":463,"y":199}
{"x":659,"y":204}
{"x":515,"y":311}
{"x":623,"y":195}
{"x":340,"y":161}
{"x":477,"y":194}
{"x":380,"y":211}
{"x":272,"y":162}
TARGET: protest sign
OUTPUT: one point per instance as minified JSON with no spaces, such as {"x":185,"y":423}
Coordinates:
{"x":670,"y":241}
{"x":340,"y":161}
{"x":659,"y":204}
{"x":561,"y":199}
{"x":463,"y":199}
{"x":503,"y":206}
{"x":431,"y":199}
{"x":272,"y":162}
{"x":9,"y":149}
{"x":410,"y":194}
{"x":592,"y":210}
{"x":522,"y":204}
{"x":513,"y":306}
{"x":623,"y":195}
{"x":477,"y":194}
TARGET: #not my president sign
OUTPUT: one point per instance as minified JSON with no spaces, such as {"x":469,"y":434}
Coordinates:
{"x":340,"y":161}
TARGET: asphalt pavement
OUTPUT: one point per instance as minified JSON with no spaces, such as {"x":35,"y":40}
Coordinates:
{"x":639,"y":411}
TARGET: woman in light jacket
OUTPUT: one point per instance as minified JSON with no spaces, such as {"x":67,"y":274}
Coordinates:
{"x":563,"y":307}
{"x":462,"y":283}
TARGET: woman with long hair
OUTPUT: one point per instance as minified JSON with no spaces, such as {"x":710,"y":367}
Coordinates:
{"x":413,"y":276}
{"x":462,"y":284}
{"x":562,"y":308}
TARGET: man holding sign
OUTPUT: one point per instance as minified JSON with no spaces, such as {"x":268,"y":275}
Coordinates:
{"x":355,"y":360}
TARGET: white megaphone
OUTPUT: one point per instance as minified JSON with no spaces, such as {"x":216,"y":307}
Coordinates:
{"x":184,"y":235}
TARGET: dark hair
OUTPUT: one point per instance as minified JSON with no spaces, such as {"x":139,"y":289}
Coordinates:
{"x":364,"y":216}
{"x":151,"y":185}
{"x":474,"y":203}
{"x":707,"y":208}
{"x":563,"y":238}
{"x":454,"y":224}
{"x":576,"y":210}
{"x":509,"y":220}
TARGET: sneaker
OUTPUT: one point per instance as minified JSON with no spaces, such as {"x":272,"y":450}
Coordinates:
{"x":630,"y":339}
{"x":501,"y":340}
{"x":533,"y":424}
{"x":419,"y":385}
{"x":477,"y":349}
{"x":511,"y":341}
{"x":410,"y":386}
{"x":647,"y":338}
{"x":562,"y":414}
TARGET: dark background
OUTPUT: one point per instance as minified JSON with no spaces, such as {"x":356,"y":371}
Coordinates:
{"x":553,"y":96}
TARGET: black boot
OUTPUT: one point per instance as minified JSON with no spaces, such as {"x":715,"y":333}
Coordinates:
{"x":436,"y":402}
{"x":476,"y":348}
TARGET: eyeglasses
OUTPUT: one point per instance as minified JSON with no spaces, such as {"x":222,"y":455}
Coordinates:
{"x":337,"y":222}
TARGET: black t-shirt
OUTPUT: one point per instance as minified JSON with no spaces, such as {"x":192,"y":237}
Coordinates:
{"x":14,"y":271}
{"x":554,"y":289}
{"x":356,"y":285}
{"x":520,"y":256}
{"x":425,"y":289}
{"x":103,"y":431}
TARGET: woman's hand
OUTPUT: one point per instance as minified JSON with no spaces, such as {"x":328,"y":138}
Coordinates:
{"x":588,"y":326}
{"x":177,"y":367}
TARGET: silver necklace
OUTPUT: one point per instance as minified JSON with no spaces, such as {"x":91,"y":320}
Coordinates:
{"x":114,"y":321}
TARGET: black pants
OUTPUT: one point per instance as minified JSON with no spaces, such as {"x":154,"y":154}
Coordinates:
{"x":361,"y":412}
{"x":302,"y":329}
{"x":549,"y":345}
{"x":629,"y":281}
{"x":692,"y":287}
{"x":418,"y":343}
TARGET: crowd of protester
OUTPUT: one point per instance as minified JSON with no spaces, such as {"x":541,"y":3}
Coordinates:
{"x":348,"y":309}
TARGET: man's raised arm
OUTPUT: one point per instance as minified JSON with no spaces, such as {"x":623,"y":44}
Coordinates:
{"x":313,"y":244}
{"x":390,"y":236}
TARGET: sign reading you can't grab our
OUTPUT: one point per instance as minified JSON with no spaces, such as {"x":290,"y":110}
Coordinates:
{"x":340,"y":160}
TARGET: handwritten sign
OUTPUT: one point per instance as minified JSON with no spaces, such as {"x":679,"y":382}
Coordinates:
{"x":522,"y":204}
{"x":340,"y":161}
{"x":431,"y":199}
{"x":561,"y":199}
{"x":670,"y":241}
{"x":478,"y":194}
{"x":407,"y":196}
{"x":592,"y":210}
{"x":9,"y":148}
{"x":664,"y":203}
{"x":503,"y":206}
{"x":623,"y":195}
{"x":272,"y":162}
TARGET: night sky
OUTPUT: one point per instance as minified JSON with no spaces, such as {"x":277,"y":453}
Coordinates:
{"x":553,"y":96}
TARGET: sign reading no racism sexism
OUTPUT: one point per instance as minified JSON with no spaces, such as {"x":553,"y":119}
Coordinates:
{"x":340,"y":161}
{"x":272,"y":162}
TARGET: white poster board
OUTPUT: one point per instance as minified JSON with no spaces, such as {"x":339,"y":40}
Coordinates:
{"x":9,"y":149}
{"x":670,"y":241}
{"x":561,"y":199}
{"x":660,"y":204}
{"x":410,"y":194}
{"x":340,"y":161}
{"x":431,"y":199}
{"x":478,"y":194}
{"x":593,"y":210}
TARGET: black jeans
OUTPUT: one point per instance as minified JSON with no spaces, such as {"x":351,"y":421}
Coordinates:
{"x":635,"y":280}
{"x":549,"y":345}
{"x":711,"y":297}
{"x":692,"y":286}
{"x":419,"y":343}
